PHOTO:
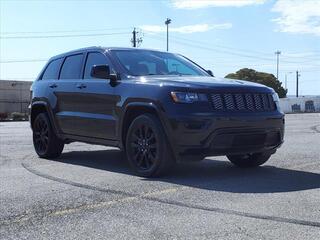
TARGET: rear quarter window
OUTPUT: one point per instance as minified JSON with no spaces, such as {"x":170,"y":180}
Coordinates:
{"x":52,"y":70}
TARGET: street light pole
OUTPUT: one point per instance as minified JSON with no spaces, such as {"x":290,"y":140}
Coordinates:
{"x":167,"y":22}
{"x":297,"y":83}
{"x":21,"y":97}
{"x":285,"y":83}
{"x":278,"y":54}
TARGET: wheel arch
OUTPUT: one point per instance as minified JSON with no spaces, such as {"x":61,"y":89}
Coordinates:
{"x":134,"y":109}
{"x":41,"y":107}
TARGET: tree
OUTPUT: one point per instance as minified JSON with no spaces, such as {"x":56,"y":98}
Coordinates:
{"x":260,"y":77}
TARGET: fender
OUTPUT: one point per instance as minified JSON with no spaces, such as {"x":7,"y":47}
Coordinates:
{"x":49,"y":112}
{"x":160,"y":114}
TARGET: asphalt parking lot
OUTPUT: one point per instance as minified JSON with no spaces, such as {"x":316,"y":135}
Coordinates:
{"x":91,"y":193}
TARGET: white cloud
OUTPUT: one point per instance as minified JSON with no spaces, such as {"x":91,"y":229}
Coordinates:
{"x":186,"y":29}
{"x":194,"y":4}
{"x":298,"y":16}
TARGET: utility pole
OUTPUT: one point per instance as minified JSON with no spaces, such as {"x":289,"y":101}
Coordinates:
{"x":278,"y":54}
{"x":167,"y":22}
{"x":134,"y":38}
{"x":297,"y":87}
{"x":136,"y":41}
{"x":21,"y":97}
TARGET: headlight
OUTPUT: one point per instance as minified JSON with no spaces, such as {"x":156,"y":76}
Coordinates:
{"x":188,"y":97}
{"x":276,"y":100}
{"x":275,"y":97}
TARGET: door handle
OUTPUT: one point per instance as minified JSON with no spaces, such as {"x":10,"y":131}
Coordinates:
{"x":80,"y":86}
{"x":53,"y":85}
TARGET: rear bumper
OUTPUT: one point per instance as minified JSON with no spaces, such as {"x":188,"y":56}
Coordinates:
{"x":213,"y":135}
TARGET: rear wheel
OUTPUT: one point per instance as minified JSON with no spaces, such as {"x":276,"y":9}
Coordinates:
{"x":249,"y":160}
{"x":147,"y":148}
{"x":45,"y":142}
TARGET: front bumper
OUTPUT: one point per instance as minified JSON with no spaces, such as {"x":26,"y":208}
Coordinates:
{"x":201,"y":135}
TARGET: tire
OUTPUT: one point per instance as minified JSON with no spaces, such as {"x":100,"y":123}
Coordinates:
{"x":147,"y":148}
{"x":249,"y":160}
{"x":45,"y":141}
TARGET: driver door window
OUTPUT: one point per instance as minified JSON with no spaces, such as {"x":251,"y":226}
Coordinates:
{"x":95,"y":58}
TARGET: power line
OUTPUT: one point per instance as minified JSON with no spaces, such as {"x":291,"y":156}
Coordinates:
{"x":24,"y":60}
{"x":64,"y":36}
{"x":252,"y":54}
{"x":220,"y":46}
{"x":211,"y":44}
{"x":215,"y":49}
{"x":18,"y":78}
{"x":218,"y":50}
{"x":192,"y":45}
{"x":64,"y":31}
{"x":313,"y":55}
{"x":316,"y":70}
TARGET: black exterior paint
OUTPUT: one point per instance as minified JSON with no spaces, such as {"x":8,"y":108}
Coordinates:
{"x":93,"y":110}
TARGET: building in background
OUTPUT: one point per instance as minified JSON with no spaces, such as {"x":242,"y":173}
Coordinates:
{"x":300,"y":104}
{"x":14,"y":96}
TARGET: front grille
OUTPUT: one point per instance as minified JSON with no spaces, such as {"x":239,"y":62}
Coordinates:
{"x":242,"y":102}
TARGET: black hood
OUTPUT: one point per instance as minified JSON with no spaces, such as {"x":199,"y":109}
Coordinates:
{"x":202,"y":82}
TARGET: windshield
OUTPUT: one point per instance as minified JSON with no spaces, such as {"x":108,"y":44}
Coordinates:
{"x":147,"y":62}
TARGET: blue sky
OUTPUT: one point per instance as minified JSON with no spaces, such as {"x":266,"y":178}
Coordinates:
{"x":223,"y":36}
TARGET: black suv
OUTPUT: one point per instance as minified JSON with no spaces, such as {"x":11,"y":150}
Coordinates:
{"x":159,"y":107}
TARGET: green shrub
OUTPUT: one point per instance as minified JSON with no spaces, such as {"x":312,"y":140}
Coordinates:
{"x":17,"y":116}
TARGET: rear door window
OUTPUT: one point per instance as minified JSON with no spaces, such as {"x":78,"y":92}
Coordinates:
{"x":95,"y":58}
{"x":52,"y":70}
{"x":71,"y":67}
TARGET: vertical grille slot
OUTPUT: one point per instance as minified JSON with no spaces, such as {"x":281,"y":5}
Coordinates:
{"x":217,"y":102}
{"x":257,"y":101}
{"x":265,"y":101}
{"x":249,"y":101}
{"x":228,"y":99}
{"x":240,"y":101}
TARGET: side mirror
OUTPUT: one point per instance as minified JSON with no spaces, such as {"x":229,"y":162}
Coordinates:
{"x":210,"y":73}
{"x":100,"y":71}
{"x":103,"y":71}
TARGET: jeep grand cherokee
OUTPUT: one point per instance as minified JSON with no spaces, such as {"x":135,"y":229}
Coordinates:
{"x":159,"y":107}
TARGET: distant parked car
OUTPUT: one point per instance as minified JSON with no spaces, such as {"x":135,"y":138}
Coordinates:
{"x":159,"y":107}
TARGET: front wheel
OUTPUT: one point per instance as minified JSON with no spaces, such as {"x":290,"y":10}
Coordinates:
{"x":249,"y":160}
{"x":147,"y":149}
{"x":45,"y":141}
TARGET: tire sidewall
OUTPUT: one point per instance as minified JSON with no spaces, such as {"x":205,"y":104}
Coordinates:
{"x":55,"y":146}
{"x":155,"y":124}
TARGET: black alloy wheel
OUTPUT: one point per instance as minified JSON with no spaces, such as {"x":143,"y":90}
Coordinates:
{"x":41,"y":135}
{"x":146,"y":145}
{"x":45,"y":141}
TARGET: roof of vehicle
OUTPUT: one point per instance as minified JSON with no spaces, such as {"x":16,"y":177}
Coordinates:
{"x":99,"y":48}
